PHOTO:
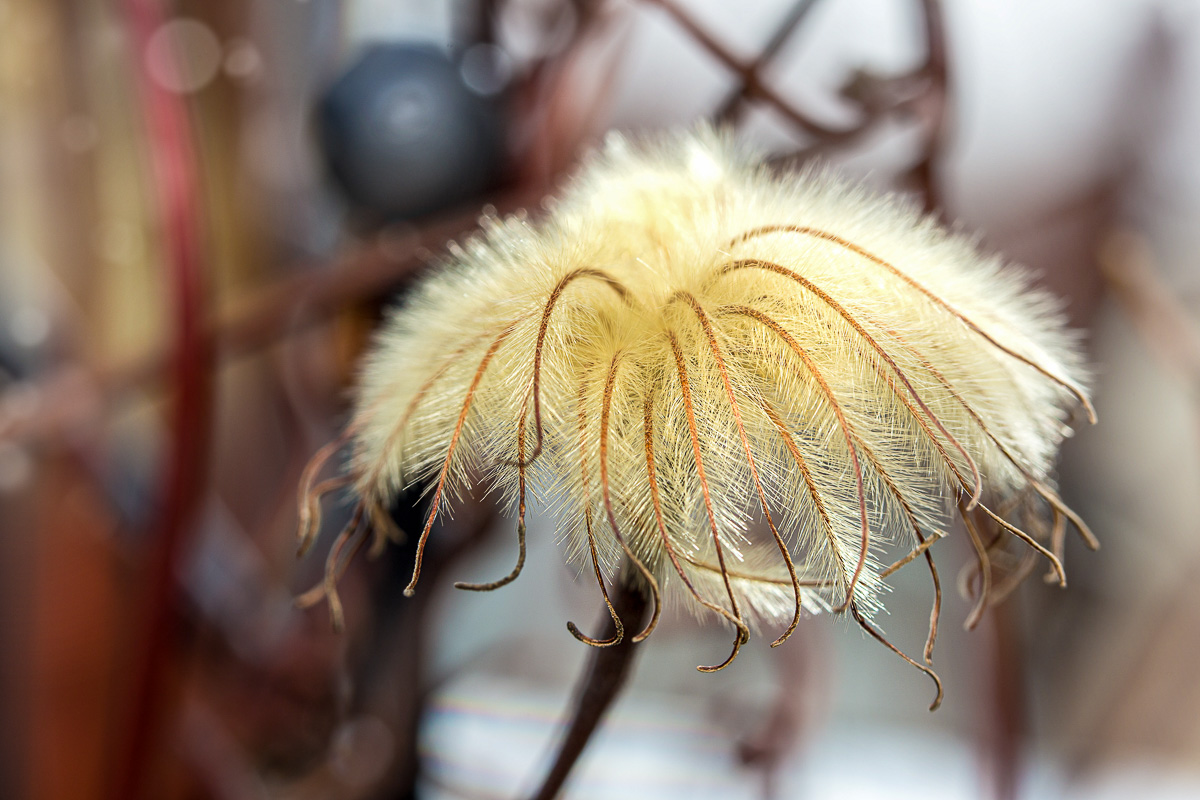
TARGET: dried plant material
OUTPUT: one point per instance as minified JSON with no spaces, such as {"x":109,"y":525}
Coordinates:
{"x":757,"y":389}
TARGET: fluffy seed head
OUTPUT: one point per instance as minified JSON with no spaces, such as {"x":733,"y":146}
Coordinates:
{"x":757,"y":390}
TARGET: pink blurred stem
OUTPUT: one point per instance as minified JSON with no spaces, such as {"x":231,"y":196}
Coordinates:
{"x":176,"y":195}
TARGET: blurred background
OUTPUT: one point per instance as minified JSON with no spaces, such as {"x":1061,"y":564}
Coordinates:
{"x":206,"y":204}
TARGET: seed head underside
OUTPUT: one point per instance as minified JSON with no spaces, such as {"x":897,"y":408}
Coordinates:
{"x":762,"y":392}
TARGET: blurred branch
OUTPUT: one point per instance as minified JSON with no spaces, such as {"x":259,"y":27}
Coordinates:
{"x":1131,"y":272}
{"x":932,"y":104}
{"x":735,"y":100}
{"x":753,"y":87}
{"x":178,"y":197}
{"x":1128,"y":266}
{"x":269,"y":315}
{"x":923,"y":92}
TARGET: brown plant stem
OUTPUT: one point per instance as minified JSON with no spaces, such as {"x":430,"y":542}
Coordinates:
{"x":606,"y":675}
{"x":1000,"y":740}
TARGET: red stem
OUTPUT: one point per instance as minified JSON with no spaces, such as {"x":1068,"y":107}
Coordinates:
{"x":176,"y":194}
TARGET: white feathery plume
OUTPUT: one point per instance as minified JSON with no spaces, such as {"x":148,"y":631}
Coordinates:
{"x":755,"y":388}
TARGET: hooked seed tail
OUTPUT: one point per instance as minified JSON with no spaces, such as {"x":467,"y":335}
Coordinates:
{"x":879,"y":637}
{"x":984,"y":569}
{"x":651,"y":476}
{"x":309,"y":505}
{"x":1055,"y":564}
{"x":847,"y":433}
{"x":706,"y":324}
{"x":618,"y":625}
{"x":458,"y":428}
{"x":836,"y":307}
{"x":539,"y":347}
{"x":743,"y":631}
{"x":605,"y":410}
{"x":516,"y":571}
{"x":310,"y":512}
{"x":813,"y":491}
{"x":335,"y":568}
{"x":1056,"y":502}
{"x":817,"y":233}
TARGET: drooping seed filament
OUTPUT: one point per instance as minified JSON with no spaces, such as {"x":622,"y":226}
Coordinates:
{"x":747,"y":434}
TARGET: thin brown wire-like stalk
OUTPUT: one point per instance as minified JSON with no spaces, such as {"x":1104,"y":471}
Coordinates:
{"x":606,"y":494}
{"x":922,"y":548}
{"x":607,"y":673}
{"x":656,"y":500}
{"x":336,"y":565}
{"x":817,"y":233}
{"x":975,"y":492}
{"x":523,"y":461}
{"x":539,"y":347}
{"x":581,"y":425}
{"x":811,"y":484}
{"x":985,"y":570}
{"x":847,"y":432}
{"x":1056,"y":502}
{"x":1055,"y":564}
{"x":706,"y":324}
{"x":879,"y":637}
{"x":516,"y":570}
{"x":743,"y":633}
{"x":398,"y":429}
{"x":309,"y":511}
{"x":1058,"y":538}
{"x":1059,"y":509}
{"x":753,"y":263}
{"x":458,"y":427}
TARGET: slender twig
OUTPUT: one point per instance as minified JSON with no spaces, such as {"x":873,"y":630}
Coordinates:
{"x":933,"y":101}
{"x":736,"y":98}
{"x":1134,"y":277}
{"x":1128,"y":266}
{"x":748,"y":74}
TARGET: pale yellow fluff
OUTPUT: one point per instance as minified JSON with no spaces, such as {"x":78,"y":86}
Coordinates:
{"x":843,"y":339}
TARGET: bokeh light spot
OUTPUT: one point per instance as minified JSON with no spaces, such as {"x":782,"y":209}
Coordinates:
{"x":183,"y":55}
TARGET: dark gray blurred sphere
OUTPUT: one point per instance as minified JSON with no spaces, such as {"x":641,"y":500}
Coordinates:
{"x":404,"y":136}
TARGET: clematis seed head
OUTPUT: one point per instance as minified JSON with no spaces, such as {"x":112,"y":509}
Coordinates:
{"x":761,"y":391}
